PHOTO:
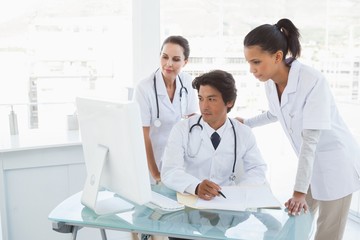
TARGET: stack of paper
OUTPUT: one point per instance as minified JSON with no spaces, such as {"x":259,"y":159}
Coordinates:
{"x":238,"y":198}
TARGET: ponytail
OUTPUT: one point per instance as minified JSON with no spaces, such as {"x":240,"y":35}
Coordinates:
{"x":282,"y":36}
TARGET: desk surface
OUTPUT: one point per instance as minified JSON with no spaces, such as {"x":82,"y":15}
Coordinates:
{"x":189,"y":223}
{"x":39,"y":139}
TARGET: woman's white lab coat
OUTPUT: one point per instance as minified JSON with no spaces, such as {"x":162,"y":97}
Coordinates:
{"x":169,"y":112}
{"x":189,"y":158}
{"x":307,"y":103}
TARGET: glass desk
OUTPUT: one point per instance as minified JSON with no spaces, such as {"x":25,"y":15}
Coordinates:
{"x":265,"y":224}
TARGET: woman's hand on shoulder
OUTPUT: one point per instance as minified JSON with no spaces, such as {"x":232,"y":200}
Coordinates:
{"x":240,"y":119}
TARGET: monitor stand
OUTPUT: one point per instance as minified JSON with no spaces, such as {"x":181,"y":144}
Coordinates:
{"x":101,"y":202}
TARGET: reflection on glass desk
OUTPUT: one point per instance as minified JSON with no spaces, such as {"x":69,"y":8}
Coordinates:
{"x":267,"y":224}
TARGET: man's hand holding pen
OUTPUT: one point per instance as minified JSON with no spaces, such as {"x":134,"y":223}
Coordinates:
{"x":207,"y":190}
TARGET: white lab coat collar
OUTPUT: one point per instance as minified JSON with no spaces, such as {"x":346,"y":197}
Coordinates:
{"x":209,"y":130}
{"x":292,"y":83}
{"x":291,"y":86}
{"x":162,"y":93}
{"x":160,"y":84}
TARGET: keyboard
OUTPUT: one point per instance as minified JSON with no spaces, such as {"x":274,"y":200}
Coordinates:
{"x":164,"y":203}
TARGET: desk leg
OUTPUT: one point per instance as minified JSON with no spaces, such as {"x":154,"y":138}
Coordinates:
{"x":62,"y":227}
{"x":145,"y":236}
{"x":103,"y":234}
{"x":74,"y":232}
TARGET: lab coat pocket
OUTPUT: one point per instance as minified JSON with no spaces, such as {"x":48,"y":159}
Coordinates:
{"x":329,"y":174}
{"x":335,"y":174}
{"x":334,"y":169}
{"x":329,"y":161}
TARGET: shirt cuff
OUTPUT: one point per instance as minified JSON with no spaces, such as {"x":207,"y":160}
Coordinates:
{"x":191,"y":189}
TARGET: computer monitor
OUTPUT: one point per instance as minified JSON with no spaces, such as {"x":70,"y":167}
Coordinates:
{"x":115,"y":157}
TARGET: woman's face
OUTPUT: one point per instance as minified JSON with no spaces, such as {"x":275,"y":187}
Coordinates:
{"x":172,"y":60}
{"x":262,"y":64}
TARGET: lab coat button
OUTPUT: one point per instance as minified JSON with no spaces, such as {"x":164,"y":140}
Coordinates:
{"x":290,"y":130}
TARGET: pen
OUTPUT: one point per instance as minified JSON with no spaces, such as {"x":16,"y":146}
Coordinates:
{"x":221,"y":194}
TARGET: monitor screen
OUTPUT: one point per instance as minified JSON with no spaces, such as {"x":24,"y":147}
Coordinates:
{"x":115,"y":157}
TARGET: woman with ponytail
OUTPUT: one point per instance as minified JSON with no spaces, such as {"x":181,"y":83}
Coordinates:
{"x":300,"y":99}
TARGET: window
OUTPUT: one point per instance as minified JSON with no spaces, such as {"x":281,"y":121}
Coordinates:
{"x":52,"y":51}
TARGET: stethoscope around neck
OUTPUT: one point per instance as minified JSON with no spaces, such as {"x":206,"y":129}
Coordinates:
{"x":183,"y":101}
{"x":232,"y":176}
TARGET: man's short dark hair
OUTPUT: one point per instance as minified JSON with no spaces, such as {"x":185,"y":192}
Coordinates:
{"x":222,"y":81}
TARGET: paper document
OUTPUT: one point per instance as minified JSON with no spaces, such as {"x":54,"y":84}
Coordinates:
{"x":240,"y":198}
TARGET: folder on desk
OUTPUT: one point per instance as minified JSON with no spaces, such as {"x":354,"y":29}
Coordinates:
{"x":238,"y":198}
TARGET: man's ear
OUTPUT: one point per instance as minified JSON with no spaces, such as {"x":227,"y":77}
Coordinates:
{"x":230,"y":104}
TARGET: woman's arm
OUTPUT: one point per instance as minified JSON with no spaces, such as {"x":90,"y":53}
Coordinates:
{"x":259,"y":120}
{"x":304,"y":171}
{"x":306,"y":159}
{"x":155,"y":173}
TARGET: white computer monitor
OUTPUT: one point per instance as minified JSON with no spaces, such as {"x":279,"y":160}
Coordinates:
{"x":115,"y":157}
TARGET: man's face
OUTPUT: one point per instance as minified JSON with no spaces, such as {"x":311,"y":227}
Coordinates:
{"x":212,"y":106}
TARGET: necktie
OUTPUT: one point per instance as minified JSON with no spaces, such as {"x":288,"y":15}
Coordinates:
{"x":215,"y":139}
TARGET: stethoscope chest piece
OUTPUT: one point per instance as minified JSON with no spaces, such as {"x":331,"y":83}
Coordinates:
{"x":232,"y":177}
{"x":157,"y":123}
{"x":199,"y":127}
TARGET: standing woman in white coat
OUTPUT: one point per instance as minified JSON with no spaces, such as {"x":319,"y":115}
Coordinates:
{"x":300,"y":99}
{"x":165,"y":97}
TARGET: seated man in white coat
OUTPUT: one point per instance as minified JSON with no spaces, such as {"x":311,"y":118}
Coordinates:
{"x":196,"y":161}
